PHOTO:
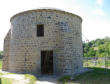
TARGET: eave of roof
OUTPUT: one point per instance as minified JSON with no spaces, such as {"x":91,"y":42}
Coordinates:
{"x":45,"y":9}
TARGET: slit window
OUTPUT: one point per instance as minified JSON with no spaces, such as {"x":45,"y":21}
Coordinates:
{"x":40,"y":30}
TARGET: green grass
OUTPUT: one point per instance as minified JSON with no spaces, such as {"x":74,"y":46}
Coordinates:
{"x":0,"y":63}
{"x":99,"y":63}
{"x":65,"y":78}
{"x":6,"y":81}
{"x":32,"y":78}
{"x":97,"y":76}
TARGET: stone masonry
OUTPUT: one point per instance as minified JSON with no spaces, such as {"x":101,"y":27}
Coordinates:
{"x":6,"y":51}
{"x":62,"y":35}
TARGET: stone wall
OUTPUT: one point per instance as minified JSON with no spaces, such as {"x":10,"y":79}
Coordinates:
{"x":6,"y":51}
{"x":62,"y":34}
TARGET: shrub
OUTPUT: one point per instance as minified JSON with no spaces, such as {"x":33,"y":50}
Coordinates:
{"x":32,"y":78}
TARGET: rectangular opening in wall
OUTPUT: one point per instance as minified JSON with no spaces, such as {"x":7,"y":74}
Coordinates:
{"x":40,"y":30}
{"x":46,"y":62}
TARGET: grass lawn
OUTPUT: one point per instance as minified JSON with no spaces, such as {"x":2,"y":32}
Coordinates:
{"x":97,"y":63}
{"x":0,"y":63}
{"x":6,"y":81}
{"x":97,"y":76}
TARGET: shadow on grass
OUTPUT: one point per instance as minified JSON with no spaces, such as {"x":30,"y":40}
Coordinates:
{"x":96,"y":76}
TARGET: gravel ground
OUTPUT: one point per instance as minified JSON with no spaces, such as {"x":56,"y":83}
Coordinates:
{"x":47,"y":79}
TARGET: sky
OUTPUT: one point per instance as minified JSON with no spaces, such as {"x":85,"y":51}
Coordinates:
{"x":95,"y":14}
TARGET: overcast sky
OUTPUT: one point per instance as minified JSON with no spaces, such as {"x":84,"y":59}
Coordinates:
{"x":95,"y":14}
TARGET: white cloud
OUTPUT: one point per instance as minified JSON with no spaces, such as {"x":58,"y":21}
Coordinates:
{"x":100,"y":2}
{"x":98,"y":12}
{"x":98,"y":9}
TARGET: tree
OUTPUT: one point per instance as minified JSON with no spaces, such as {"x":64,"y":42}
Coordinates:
{"x":1,"y":54}
{"x":98,"y":48}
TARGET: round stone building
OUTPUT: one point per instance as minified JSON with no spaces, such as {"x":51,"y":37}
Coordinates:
{"x":44,"y":41}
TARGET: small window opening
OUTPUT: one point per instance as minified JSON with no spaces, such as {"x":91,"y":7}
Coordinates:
{"x":40,"y":30}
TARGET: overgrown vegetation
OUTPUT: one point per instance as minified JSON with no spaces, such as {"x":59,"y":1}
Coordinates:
{"x":32,"y":78}
{"x":1,"y":56}
{"x":97,"y":48}
{"x":6,"y":81}
{"x":97,"y":76}
{"x":0,"y":63}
